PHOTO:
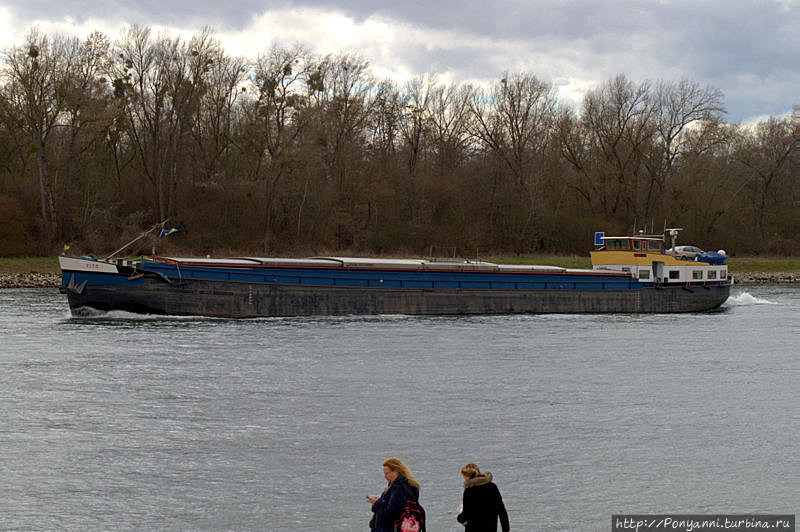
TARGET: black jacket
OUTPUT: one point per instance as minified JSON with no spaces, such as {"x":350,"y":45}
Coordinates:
{"x":391,"y":504}
{"x":482,"y":506}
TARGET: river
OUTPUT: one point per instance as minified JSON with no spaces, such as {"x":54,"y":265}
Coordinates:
{"x":132,"y":422}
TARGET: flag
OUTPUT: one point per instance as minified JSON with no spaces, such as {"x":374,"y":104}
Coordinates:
{"x":169,"y":231}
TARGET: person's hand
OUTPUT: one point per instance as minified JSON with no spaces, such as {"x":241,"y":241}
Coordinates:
{"x":372,"y":500}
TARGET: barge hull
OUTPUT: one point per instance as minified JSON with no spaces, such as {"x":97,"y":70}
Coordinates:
{"x":228,"y":299}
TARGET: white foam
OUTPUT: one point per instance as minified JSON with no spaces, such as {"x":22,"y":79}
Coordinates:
{"x":745,"y":299}
{"x":91,"y":313}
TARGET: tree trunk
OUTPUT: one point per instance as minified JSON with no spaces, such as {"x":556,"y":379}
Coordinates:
{"x":45,"y":189}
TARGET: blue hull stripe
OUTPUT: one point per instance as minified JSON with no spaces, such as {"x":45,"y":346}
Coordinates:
{"x":374,"y":278}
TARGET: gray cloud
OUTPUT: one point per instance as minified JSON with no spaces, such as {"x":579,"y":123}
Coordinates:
{"x":747,"y":49}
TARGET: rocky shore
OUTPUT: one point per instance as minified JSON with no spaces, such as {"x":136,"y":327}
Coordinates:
{"x":53,"y":280}
{"x":766,"y":277}
{"x":30,"y":280}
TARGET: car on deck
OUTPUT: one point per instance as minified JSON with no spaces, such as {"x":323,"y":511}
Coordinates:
{"x":685,"y":252}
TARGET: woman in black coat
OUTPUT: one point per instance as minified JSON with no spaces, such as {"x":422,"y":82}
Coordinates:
{"x":401,"y":486}
{"x":483,"y":504}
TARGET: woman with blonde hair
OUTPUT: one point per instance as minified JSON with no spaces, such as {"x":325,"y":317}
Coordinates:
{"x":482,"y":504}
{"x":401,"y":486}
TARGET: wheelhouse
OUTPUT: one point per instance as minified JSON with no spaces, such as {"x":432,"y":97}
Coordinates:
{"x":632,"y":243}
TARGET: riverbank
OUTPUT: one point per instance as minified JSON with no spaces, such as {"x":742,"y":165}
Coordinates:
{"x":53,"y":280}
{"x":30,"y":280}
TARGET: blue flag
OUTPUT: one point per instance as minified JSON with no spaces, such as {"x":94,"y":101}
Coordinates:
{"x":169,"y":231}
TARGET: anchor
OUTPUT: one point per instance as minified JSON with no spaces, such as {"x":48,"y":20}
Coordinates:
{"x":76,"y":288}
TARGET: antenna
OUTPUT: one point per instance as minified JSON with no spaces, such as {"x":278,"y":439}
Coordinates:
{"x":673,"y":233}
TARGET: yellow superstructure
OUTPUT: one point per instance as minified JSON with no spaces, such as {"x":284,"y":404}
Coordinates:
{"x":644,"y":258}
{"x":638,"y":258}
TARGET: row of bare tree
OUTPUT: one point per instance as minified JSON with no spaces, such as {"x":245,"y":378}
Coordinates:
{"x":294,"y":152}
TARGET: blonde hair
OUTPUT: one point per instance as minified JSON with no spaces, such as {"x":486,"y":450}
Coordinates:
{"x":401,"y":469}
{"x":471,"y":470}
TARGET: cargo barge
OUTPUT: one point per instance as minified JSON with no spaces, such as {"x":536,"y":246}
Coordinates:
{"x":631,"y":274}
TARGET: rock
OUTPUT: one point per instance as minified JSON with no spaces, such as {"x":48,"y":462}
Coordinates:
{"x":30,"y":280}
{"x":766,"y":277}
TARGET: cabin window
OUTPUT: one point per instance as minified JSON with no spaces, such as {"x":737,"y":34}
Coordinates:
{"x":674,"y":274}
{"x":617,"y":244}
{"x":712,"y":274}
{"x":722,"y":274}
{"x":636,"y":245}
{"x":697,"y":275}
{"x":653,"y":245}
{"x":644,"y":274}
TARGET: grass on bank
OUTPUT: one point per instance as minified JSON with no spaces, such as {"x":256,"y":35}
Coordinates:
{"x":29,"y":265}
{"x":735,"y":264}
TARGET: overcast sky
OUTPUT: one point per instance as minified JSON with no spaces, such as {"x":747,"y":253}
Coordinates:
{"x":748,"y":49}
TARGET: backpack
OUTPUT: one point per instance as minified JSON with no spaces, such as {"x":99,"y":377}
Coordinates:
{"x":413,"y":517}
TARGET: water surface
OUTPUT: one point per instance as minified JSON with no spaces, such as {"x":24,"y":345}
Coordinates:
{"x":138,"y":422}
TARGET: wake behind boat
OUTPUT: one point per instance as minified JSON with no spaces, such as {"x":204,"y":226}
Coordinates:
{"x":630,"y":274}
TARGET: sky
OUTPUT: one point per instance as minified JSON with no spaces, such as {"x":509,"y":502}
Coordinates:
{"x":750,"y":50}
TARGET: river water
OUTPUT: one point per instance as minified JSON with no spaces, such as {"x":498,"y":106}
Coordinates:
{"x":131,"y":422}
